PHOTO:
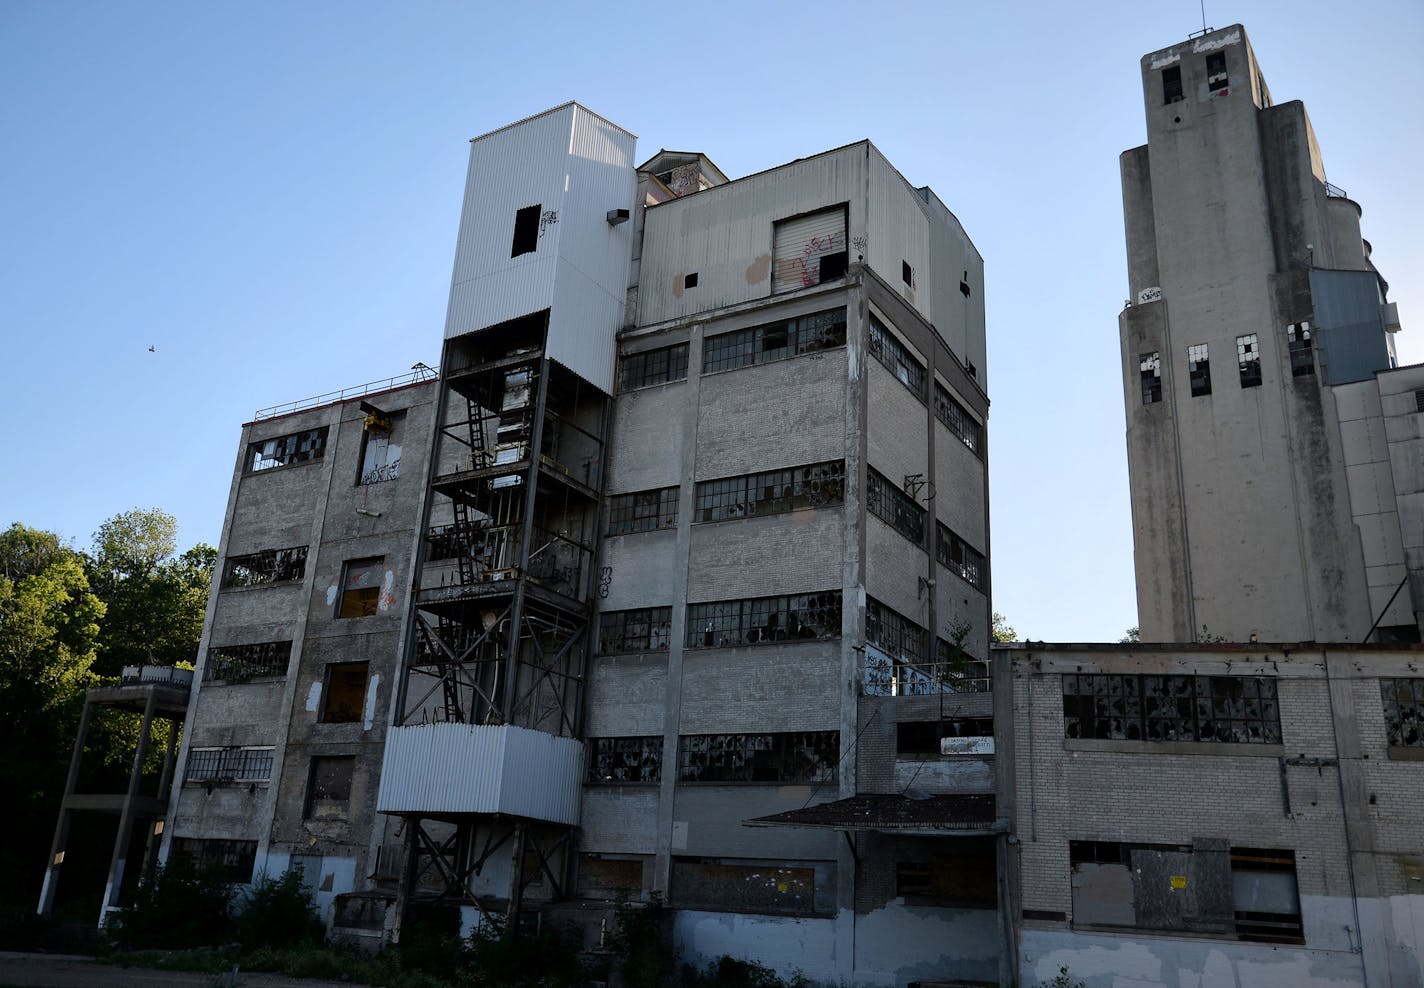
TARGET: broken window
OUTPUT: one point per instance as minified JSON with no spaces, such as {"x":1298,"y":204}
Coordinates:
{"x":787,"y":757}
{"x":299,"y":447}
{"x":690,"y":281}
{"x":1419,"y":401}
{"x":887,"y":348}
{"x":770,"y":492}
{"x":1200,"y":369}
{"x":1224,"y":709}
{"x":773,"y":341}
{"x":959,"y":872}
{"x":1172,"y":84}
{"x":894,"y":634}
{"x":641,"y":370}
{"x":1248,"y":358}
{"x":227,"y":860}
{"x":231,"y":764}
{"x":1264,"y":894}
{"x":808,"y":250}
{"x":923,"y":737}
{"x":729,"y":623}
{"x":642,"y":511}
{"x":380,"y":453}
{"x":239,"y":663}
{"x":526,"y":230}
{"x":1216,"y":71}
{"x":958,"y":556}
{"x":787,"y":888}
{"x":895,"y":507}
{"x":329,"y":786}
{"x":345,"y":692}
{"x":360,"y":588}
{"x":267,"y":566}
{"x":1302,"y":356}
{"x":958,"y":420}
{"x":907,"y":273}
{"x":1150,"y":365}
{"x":1403,"y":712}
{"x":621,"y":761}
{"x":647,"y":629}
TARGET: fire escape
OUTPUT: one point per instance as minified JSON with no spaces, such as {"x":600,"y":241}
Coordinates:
{"x":484,"y":764}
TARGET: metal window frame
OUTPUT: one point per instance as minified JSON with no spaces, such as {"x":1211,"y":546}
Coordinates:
{"x":886,"y":348}
{"x":641,"y":629}
{"x":895,"y":507}
{"x":784,"y":757}
{"x":746,"y":622}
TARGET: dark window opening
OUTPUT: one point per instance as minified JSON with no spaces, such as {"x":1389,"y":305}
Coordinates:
{"x":892,"y":354}
{"x":962,"y":875}
{"x":1419,"y":401}
{"x":1264,"y":895}
{"x":239,"y":663}
{"x":232,"y":764}
{"x":360,"y":588}
{"x":907,"y":273}
{"x":641,"y":370}
{"x":959,"y":557}
{"x":1248,"y":358}
{"x":1150,"y":365}
{"x":1221,"y":709}
{"x":648,"y":629}
{"x":964,"y":289}
{"x":894,"y":634}
{"x":834,"y":265}
{"x":267,"y":566}
{"x":1403,"y":712}
{"x":895,"y":507}
{"x":1172,"y":84}
{"x":922,"y":737}
{"x":228,"y":860}
{"x":345,"y":692}
{"x":762,"y":620}
{"x":1302,"y":356}
{"x":773,"y":341}
{"x":958,"y":420}
{"x":1199,"y":367}
{"x":329,"y":786}
{"x":1216,"y":79}
{"x":625,"y":761}
{"x":690,"y":281}
{"x":785,"y":888}
{"x":526,"y":230}
{"x":642,"y":511}
{"x":788,"y":757}
{"x":771,"y":492}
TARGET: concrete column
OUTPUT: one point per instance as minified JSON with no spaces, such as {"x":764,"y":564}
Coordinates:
{"x":150,"y":854}
{"x":121,"y":840}
{"x":61,"y":828}
{"x":407,"y":875}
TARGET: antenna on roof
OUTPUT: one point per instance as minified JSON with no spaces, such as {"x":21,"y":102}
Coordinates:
{"x":1204,"y":29}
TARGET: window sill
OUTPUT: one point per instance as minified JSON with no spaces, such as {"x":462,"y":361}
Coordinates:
{"x":649,"y":387}
{"x":778,"y":512}
{"x":768,"y":363}
{"x":253,"y":681}
{"x":760,"y":644}
{"x":641,"y":531}
{"x":284,"y":466}
{"x":1175,"y":747}
{"x":261,"y":586}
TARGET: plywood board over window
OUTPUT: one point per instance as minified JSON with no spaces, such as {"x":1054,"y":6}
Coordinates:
{"x":809,"y":249}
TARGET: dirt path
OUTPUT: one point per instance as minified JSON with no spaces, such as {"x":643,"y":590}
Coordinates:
{"x":63,"y":971}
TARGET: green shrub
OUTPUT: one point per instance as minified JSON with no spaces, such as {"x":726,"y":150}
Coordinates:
{"x":494,"y":958}
{"x":640,"y":939}
{"x":178,"y":906}
{"x":278,"y":912}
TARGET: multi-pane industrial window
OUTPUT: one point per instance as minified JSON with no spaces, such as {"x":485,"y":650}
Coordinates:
{"x":1199,"y":368}
{"x":641,"y":370}
{"x":1216,"y":71}
{"x":894,"y":634}
{"x":774,"y":341}
{"x":958,"y":556}
{"x":625,"y":760}
{"x":360,"y":588}
{"x":770,"y":492}
{"x":229,"y":765}
{"x":642,"y":511}
{"x":1227,"y":709}
{"x":345,"y":692}
{"x":1403,"y":712}
{"x":957,"y":418}
{"x":792,"y":756}
{"x":1248,"y":358}
{"x":647,"y":629}
{"x":895,"y":507}
{"x":299,"y":447}
{"x":1302,"y":357}
{"x":764,"y":619}
{"x":1419,"y":400}
{"x":1172,"y":84}
{"x":267,"y":566}
{"x":238,"y":663}
{"x":887,"y":348}
{"x":1150,"y":365}
{"x":228,"y":860}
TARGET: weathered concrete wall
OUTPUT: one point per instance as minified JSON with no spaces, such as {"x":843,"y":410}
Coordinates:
{"x":787,"y":944}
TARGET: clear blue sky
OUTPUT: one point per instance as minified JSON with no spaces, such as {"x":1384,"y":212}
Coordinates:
{"x":268,"y":193}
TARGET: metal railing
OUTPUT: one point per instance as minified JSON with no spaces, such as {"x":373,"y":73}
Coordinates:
{"x":1335,"y":192}
{"x":554,"y":560}
{"x":155,"y":675}
{"x":886,"y":677}
{"x":417,"y":375}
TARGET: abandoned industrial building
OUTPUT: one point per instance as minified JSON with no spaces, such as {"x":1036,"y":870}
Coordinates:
{"x":675,"y":578}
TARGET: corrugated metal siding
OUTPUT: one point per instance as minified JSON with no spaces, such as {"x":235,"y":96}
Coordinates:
{"x":899,"y":232}
{"x":725,"y":234}
{"x":1349,"y":333}
{"x":509,"y":170}
{"x":591,"y":282}
{"x":797,"y":246}
{"x":469,"y":768}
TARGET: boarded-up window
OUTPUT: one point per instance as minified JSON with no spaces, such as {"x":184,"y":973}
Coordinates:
{"x":602,"y":877}
{"x":740,"y":885}
{"x":957,"y":872}
{"x":809,"y":249}
{"x":345,"y":692}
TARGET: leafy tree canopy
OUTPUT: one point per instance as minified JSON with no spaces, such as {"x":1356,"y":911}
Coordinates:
{"x":1002,"y":631}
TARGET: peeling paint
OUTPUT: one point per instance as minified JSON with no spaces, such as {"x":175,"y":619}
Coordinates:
{"x":1166,"y":60}
{"x":678,"y":283}
{"x":759,"y":270}
{"x":388,"y":592}
{"x":1211,"y":44}
{"x":786,"y":944}
{"x":368,"y":712}
{"x":314,"y":696}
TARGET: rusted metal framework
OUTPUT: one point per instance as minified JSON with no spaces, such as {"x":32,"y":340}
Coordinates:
{"x":500,"y":623}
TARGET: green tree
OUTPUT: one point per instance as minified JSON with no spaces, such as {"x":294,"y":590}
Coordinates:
{"x":1131,"y":637}
{"x":1002,"y":631}
{"x":49,"y":629}
{"x":156,"y":600}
